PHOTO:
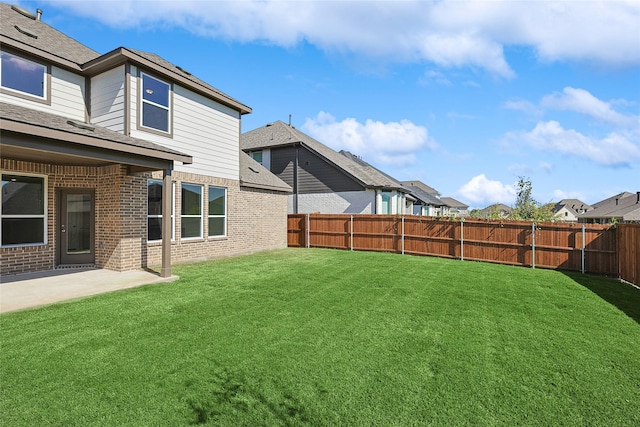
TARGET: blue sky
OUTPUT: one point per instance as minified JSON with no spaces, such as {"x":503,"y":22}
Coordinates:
{"x":464,"y":96}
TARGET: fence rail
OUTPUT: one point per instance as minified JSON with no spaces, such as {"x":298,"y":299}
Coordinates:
{"x":588,"y":248}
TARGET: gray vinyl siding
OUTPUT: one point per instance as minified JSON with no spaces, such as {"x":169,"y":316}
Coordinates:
{"x":315,"y":175}
{"x":107,"y":99}
{"x":66,"y":96}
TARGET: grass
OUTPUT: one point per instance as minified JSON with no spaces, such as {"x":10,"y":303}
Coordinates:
{"x":322,"y":337}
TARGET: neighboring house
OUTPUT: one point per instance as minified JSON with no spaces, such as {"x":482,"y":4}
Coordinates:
{"x":121,"y":160}
{"x":495,"y":211}
{"x":428,"y":202}
{"x":569,"y":209}
{"x":621,"y":207}
{"x":456,"y":209}
{"x":323,"y":180}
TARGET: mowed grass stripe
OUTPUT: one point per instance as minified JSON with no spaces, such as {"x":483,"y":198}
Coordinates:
{"x":323,"y":337}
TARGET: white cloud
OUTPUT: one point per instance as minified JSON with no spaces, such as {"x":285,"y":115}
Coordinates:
{"x":446,"y":33}
{"x":583,"y":102}
{"x":616,"y":149}
{"x":481,"y":191}
{"x":394,"y":143}
{"x":524,"y":106}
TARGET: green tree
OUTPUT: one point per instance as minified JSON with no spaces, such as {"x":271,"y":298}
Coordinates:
{"x":526,"y":207}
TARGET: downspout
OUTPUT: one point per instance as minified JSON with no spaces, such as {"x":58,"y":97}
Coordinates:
{"x":127,"y":97}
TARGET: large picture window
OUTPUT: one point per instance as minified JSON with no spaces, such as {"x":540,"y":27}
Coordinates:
{"x":23,"y":210}
{"x":217,"y":211}
{"x":191,"y":212}
{"x":154,"y":210}
{"x":156,"y":104}
{"x":23,"y":76}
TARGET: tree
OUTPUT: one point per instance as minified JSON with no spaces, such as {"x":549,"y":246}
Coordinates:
{"x":526,"y":207}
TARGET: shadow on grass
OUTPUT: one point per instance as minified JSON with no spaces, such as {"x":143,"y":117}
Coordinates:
{"x":622,"y":295}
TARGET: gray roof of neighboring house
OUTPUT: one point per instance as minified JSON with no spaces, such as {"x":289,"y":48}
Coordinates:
{"x":611,"y":200}
{"x":454,"y":203}
{"x":626,"y":207}
{"x":427,"y":198}
{"x":17,"y":31}
{"x":13,"y":116}
{"x":47,"y":39}
{"x":279,"y":134}
{"x":571,"y":204}
{"x":253,"y":174}
{"x":424,"y":187}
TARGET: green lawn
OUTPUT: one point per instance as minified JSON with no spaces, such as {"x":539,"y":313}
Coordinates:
{"x":323,"y":337}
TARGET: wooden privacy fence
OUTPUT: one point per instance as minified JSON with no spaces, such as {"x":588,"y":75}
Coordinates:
{"x":588,"y":248}
{"x":629,"y":252}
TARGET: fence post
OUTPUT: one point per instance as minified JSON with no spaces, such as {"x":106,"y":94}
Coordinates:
{"x":583,"y":236}
{"x":308,"y":235}
{"x":402,"y":234}
{"x":462,"y":239}
{"x":351,"y":232}
{"x":533,"y":245}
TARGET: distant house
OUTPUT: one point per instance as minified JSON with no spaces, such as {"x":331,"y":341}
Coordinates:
{"x":121,"y":160}
{"x":323,"y":180}
{"x":456,"y":209}
{"x":569,"y":209}
{"x":495,"y":211}
{"x":621,"y":207}
{"x":427,"y":202}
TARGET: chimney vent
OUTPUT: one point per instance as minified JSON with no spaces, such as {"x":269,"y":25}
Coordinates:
{"x":638,"y":197}
{"x":38,"y":14}
{"x":616,"y":201}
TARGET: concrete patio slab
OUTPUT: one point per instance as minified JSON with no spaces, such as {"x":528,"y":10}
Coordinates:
{"x":35,"y":289}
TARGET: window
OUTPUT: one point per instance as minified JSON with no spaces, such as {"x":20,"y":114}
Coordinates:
{"x":23,"y":76}
{"x":386,"y":203}
{"x":155,"y":104}
{"x":23,"y":210}
{"x":257,"y":156}
{"x":217,"y":211}
{"x":191,"y":213}
{"x":154,"y":210}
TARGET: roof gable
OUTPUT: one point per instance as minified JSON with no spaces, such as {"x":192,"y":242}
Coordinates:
{"x":279,"y":134}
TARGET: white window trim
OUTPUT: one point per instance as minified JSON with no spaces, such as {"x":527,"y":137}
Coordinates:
{"x":45,"y":215}
{"x":217,"y":216}
{"x":173,"y":209}
{"x":27,"y":95}
{"x":201,"y":216}
{"x":143,"y":101}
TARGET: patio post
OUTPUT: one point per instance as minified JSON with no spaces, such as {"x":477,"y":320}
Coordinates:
{"x":165,"y":270}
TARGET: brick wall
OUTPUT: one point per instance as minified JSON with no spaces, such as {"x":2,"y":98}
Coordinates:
{"x":118,"y":243}
{"x":256,"y":221}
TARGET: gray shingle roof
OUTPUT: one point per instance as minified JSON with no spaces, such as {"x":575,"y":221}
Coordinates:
{"x":427,"y":198}
{"x":626,"y":207}
{"x":253,"y":174}
{"x":279,"y":134}
{"x":49,"y":40}
{"x":450,"y":201}
{"x":17,"y":114}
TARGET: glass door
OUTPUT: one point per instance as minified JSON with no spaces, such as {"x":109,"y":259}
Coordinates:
{"x":76,"y":221}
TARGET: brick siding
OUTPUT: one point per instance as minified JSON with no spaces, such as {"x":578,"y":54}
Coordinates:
{"x":256,"y":219}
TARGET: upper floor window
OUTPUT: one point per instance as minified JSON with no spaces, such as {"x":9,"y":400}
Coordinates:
{"x":156,"y":104}
{"x":257,"y":156}
{"x":22,"y":76}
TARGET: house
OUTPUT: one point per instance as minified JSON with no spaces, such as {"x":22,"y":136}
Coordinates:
{"x":322,"y":179}
{"x":121,"y":160}
{"x":621,"y":207}
{"x":456,"y":209}
{"x":569,"y":209}
{"x":428,"y":202}
{"x":495,"y":211}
